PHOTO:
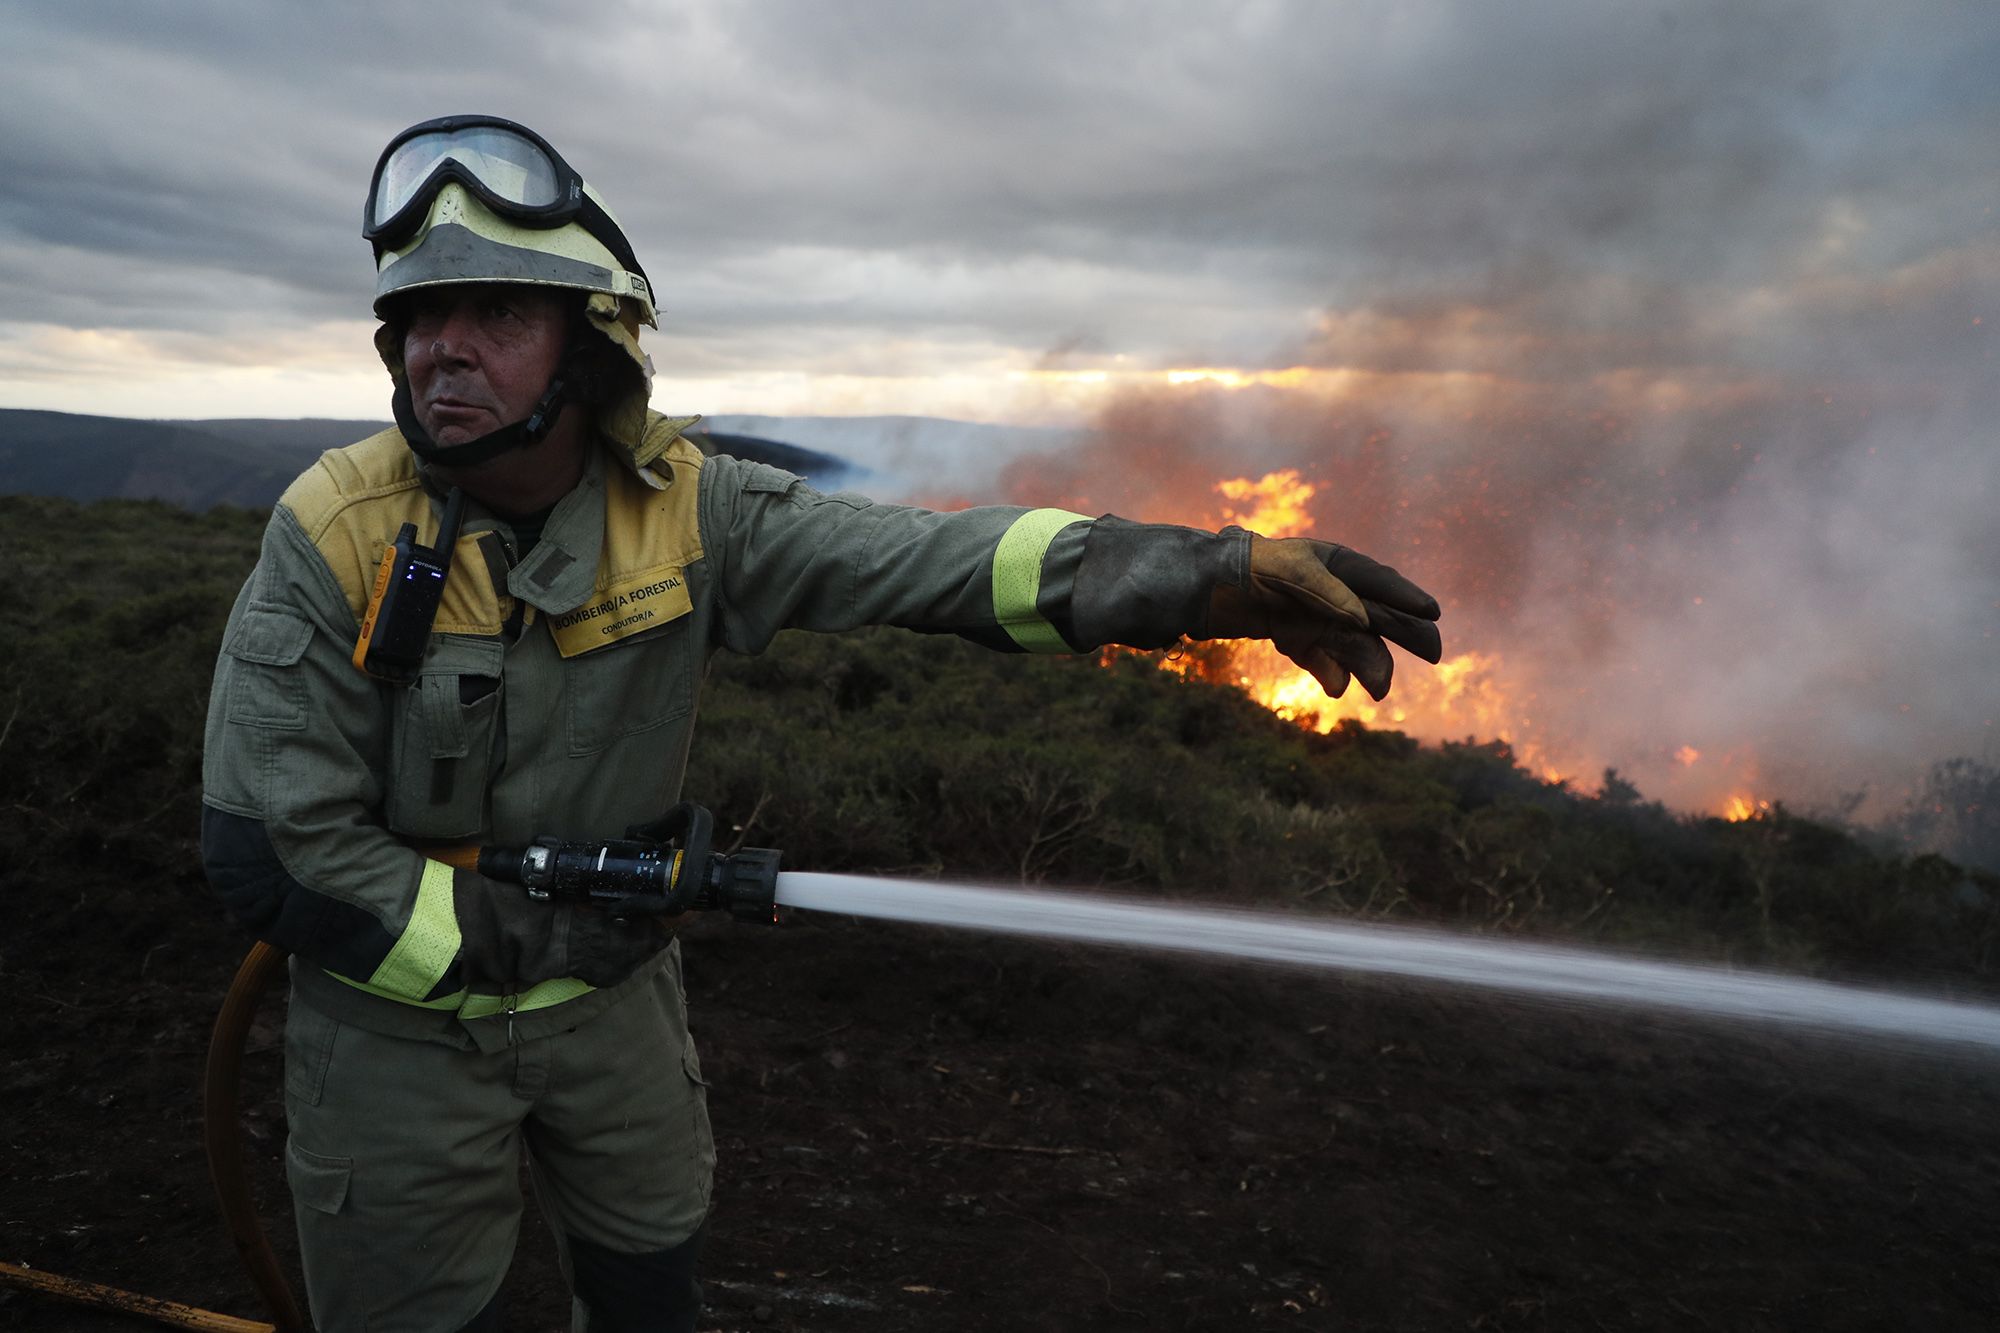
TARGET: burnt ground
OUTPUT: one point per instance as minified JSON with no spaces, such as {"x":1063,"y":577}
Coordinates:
{"x":921,"y":1130}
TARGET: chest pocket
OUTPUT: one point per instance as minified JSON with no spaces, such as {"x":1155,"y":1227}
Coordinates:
{"x":632,"y":687}
{"x":447,"y":734}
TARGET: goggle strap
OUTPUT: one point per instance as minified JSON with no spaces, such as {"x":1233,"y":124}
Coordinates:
{"x":593,"y":219}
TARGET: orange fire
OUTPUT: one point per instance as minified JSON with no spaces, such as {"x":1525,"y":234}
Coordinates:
{"x":1274,"y":505}
{"x":1474,"y":696}
{"x":1742,"y":806}
{"x":1460,"y":698}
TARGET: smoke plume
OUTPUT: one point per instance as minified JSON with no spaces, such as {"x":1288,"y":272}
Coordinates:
{"x":1779,"y":582}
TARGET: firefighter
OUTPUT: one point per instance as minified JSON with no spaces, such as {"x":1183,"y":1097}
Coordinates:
{"x":441,"y":1023}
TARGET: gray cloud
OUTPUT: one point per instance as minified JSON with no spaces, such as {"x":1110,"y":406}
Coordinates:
{"x":1352,"y":155}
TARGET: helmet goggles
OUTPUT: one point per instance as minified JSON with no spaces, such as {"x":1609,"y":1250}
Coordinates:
{"x":508,"y":167}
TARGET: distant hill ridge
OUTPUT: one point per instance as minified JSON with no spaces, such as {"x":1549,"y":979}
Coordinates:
{"x":193,"y":464}
{"x":235,"y":461}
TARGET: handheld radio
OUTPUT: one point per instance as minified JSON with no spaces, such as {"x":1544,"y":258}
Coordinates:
{"x":409,"y":583}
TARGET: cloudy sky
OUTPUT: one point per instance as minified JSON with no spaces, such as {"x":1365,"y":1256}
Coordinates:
{"x":1659,"y":337}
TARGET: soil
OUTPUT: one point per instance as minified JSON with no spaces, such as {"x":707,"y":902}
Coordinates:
{"x":923,"y":1130}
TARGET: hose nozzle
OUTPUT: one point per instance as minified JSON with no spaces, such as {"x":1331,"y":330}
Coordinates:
{"x":660,"y":869}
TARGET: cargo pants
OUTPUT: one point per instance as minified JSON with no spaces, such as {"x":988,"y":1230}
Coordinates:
{"x":404,"y":1164}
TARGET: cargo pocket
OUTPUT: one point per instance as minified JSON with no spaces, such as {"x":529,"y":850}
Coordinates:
{"x":447,"y":726}
{"x":633,"y":687}
{"x":318,"y":1183}
{"x":266,"y":689}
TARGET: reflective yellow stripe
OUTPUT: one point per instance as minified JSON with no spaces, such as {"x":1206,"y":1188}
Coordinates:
{"x":424,"y":951}
{"x":1017,"y":578}
{"x":539,"y":996}
{"x":451,"y":1001}
{"x":468,"y":1005}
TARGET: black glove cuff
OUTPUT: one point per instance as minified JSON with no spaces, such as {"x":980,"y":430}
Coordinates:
{"x":1146,"y":584}
{"x":505,"y":940}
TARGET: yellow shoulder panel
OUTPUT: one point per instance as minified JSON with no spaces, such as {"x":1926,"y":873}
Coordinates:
{"x":332,"y":502}
{"x":352,"y":502}
{"x":646,"y":528}
{"x":651,"y":536}
{"x":379,"y":465}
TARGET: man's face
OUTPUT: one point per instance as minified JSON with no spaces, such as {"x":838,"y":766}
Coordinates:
{"x":480,"y":355}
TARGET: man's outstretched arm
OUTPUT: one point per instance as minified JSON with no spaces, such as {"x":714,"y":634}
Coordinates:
{"x":1046,"y":580}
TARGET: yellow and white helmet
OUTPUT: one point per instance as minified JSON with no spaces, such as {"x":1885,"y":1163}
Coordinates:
{"x":465,"y":199}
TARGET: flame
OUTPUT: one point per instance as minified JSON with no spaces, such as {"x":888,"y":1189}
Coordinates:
{"x":1276,"y":503}
{"x":1473,"y":696}
{"x":1461,"y":698}
{"x":1742,"y":806}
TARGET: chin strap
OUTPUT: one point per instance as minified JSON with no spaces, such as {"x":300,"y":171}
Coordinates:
{"x":471,"y":453}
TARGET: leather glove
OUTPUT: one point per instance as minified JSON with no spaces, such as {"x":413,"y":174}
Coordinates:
{"x":1329,"y":609}
{"x":508,"y":939}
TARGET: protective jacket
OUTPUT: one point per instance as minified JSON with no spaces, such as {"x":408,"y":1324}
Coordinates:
{"x":557,"y":695}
